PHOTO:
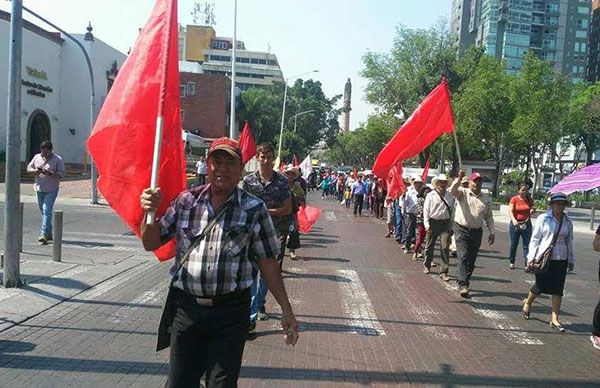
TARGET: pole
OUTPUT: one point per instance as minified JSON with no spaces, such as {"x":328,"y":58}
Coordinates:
{"x":441,"y":168}
{"x":232,"y":131}
{"x":20,"y":226}
{"x":282,"y":120}
{"x":593,"y":216}
{"x":94,"y":175}
{"x":12,"y":275}
{"x":57,"y":232}
{"x":457,"y":149}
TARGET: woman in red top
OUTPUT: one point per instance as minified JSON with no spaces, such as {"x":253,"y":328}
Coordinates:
{"x":520,"y":209}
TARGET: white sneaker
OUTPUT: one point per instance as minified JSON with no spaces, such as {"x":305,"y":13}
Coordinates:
{"x":293,"y":255}
{"x":512,"y":266}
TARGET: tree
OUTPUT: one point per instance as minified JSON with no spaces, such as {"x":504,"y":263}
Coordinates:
{"x":540,"y":99}
{"x":262,"y":106}
{"x":483,"y":111}
{"x":361,"y":147}
{"x":399,"y":80}
{"x":584,"y":118}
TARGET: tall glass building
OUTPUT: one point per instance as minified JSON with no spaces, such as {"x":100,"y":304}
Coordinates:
{"x":556,"y":30}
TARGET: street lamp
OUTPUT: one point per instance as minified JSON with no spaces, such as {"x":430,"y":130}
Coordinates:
{"x":300,"y":114}
{"x":285,"y":81}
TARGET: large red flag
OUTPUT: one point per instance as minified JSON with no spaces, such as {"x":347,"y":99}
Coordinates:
{"x":395,"y":184}
{"x":247,"y":143}
{"x":295,"y":161}
{"x":307,"y":216}
{"x":432,"y":118}
{"x":122,"y":141}
{"x":425,"y":171}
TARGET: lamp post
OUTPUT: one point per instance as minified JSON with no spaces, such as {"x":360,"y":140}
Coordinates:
{"x":232,"y":129}
{"x":285,"y":81}
{"x":300,"y":114}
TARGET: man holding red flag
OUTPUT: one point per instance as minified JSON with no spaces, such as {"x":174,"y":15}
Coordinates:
{"x":216,"y":226}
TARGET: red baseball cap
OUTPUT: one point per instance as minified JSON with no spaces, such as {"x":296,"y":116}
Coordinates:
{"x":474,"y":176}
{"x":226,"y":144}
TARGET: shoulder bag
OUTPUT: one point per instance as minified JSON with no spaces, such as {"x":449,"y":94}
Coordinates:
{"x":168,"y":313}
{"x":540,"y":265}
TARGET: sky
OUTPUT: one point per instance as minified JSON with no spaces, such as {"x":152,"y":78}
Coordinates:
{"x":328,"y":35}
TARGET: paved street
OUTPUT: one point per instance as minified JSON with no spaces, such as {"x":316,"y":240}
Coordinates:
{"x":369,"y":317}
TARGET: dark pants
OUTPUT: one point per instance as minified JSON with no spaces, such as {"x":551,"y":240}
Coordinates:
{"x":411,"y":229}
{"x":201,"y":179}
{"x":441,"y":229}
{"x":207,"y":340}
{"x":358,"y":203}
{"x":515,"y":234}
{"x":468,"y":242}
{"x":596,"y":322}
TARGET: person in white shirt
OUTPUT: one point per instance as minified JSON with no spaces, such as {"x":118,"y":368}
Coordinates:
{"x":437,"y":218}
{"x":201,"y":169}
{"x":410,"y":213}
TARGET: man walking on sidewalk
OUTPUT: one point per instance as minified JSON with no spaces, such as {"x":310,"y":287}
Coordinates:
{"x":48,"y":169}
{"x":201,"y":169}
{"x":272,"y":187}
{"x":472,"y":210}
{"x":410,"y":213}
{"x":359,"y":190}
{"x":437,"y":216}
{"x":215,"y":226}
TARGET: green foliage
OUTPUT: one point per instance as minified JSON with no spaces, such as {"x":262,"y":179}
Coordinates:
{"x":262,"y":107}
{"x":540,"y":204}
{"x":360,"y":147}
{"x":584,"y":117}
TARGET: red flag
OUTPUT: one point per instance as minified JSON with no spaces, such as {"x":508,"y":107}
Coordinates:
{"x":425,"y":171}
{"x":281,"y":166}
{"x":396,"y":186}
{"x":307,"y":216}
{"x":432,"y":118}
{"x":247,"y":143}
{"x":122,"y":141}
{"x":354,"y":173}
{"x":295,"y":161}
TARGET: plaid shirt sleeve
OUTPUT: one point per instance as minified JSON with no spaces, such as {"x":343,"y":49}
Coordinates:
{"x":264,"y":240}
{"x":168,"y":222}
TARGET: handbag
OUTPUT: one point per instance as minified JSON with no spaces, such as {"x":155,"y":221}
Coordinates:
{"x":540,"y":265}
{"x":168,"y":313}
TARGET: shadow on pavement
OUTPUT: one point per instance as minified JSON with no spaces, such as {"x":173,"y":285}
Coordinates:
{"x":333,"y":278}
{"x":7,"y":346}
{"x":445,"y":376}
{"x":87,"y":244}
{"x":334,"y":259}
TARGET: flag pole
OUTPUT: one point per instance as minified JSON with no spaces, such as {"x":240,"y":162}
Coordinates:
{"x":457,"y":149}
{"x":151,"y":216}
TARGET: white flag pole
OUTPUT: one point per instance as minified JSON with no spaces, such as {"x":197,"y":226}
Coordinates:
{"x":151,"y":216}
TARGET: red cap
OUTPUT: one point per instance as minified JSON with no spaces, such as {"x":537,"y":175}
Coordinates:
{"x":226,"y":144}
{"x":474,"y":176}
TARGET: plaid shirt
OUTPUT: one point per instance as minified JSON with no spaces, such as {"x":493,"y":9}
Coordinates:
{"x":273,"y":193}
{"x":221,"y":263}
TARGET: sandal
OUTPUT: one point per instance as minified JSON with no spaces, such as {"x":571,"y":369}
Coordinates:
{"x":526,"y":312}
{"x":557,"y":326}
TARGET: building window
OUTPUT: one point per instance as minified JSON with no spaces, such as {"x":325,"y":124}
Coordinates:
{"x":191,"y":88}
{"x":181,"y":90}
{"x":581,"y":34}
{"x":583,"y":23}
{"x":580,"y":47}
{"x":583,"y":10}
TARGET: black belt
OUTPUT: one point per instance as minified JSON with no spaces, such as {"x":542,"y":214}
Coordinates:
{"x":213,"y":301}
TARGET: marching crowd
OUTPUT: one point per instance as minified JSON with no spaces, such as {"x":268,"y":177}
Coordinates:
{"x":454,"y":212}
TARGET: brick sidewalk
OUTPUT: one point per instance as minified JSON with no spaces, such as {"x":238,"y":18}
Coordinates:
{"x":369,"y":316}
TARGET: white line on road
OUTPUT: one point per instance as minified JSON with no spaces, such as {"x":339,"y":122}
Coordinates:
{"x":500,"y":321}
{"x":357,"y":305}
{"x":330,"y":216}
{"x":108,"y":285}
{"x":150,"y":297}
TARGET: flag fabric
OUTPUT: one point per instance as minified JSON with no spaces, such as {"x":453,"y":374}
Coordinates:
{"x":425,"y":171}
{"x":432,"y":118}
{"x":295,"y":160}
{"x":122,"y":141}
{"x":306,"y":167}
{"x":354,"y":173}
{"x":395,"y":184}
{"x":247,"y":143}
{"x":281,"y":166}
{"x":584,"y":179}
{"x":307,"y":216}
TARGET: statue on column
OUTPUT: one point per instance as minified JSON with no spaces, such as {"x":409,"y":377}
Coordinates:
{"x":346,"y":109}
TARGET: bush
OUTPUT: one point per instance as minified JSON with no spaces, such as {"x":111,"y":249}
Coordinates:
{"x":540,"y":204}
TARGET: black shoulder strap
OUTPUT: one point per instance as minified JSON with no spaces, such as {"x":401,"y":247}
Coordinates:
{"x":198,"y":239}
{"x":445,"y":203}
{"x":557,"y":232}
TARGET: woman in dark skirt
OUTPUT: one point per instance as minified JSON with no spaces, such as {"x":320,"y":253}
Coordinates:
{"x":554,"y":225}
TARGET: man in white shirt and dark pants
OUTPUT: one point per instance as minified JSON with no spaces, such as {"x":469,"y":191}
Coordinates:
{"x":437,"y":218}
{"x":201,"y":170}
{"x":410,"y":213}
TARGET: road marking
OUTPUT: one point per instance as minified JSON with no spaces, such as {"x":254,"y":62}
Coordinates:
{"x":358,"y":306}
{"x":500,"y":321}
{"x":101,"y":248}
{"x":151,"y":297}
{"x":116,"y":281}
{"x":103,"y":235}
{"x":330,"y":216}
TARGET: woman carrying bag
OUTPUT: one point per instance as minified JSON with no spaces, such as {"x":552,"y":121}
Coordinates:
{"x":552,"y":239}
{"x":520,"y":209}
